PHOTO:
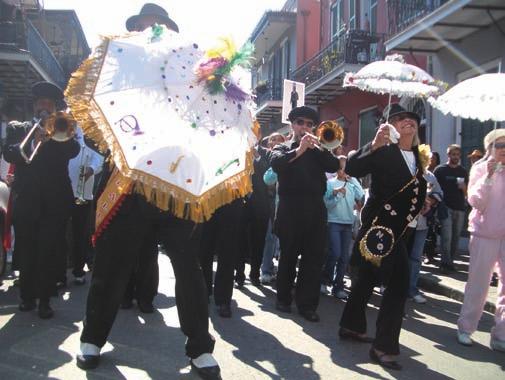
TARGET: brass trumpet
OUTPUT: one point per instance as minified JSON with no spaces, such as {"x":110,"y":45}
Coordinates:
{"x":59,"y":126}
{"x":329,"y":134}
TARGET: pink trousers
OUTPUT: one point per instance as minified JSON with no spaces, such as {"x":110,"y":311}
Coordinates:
{"x":484,"y":254}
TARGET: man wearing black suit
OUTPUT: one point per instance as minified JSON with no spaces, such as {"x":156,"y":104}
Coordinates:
{"x":397,"y":193}
{"x":42,"y":200}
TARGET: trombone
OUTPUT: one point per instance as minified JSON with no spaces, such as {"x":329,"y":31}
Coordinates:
{"x":59,"y":126}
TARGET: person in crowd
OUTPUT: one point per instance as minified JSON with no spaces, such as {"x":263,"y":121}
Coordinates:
{"x":121,"y":242}
{"x":220,"y":237}
{"x":342,"y":194}
{"x":82,"y":170}
{"x":433,"y":221}
{"x":380,"y":254}
{"x":475,"y":156}
{"x":453,"y":179}
{"x":434,"y":196}
{"x":301,"y":215}
{"x":258,"y":212}
{"x":487,"y":241}
{"x":43,"y":198}
{"x":268,"y":271}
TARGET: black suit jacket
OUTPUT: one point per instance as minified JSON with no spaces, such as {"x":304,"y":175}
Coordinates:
{"x":42,"y":187}
{"x":389,"y":173}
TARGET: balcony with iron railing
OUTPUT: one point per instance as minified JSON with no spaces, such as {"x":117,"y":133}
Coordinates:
{"x":270,"y":90}
{"x":403,"y":13}
{"x":355,"y":47}
{"x":23,"y":37}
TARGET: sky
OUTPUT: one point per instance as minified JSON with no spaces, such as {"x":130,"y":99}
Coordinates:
{"x":202,"y":20}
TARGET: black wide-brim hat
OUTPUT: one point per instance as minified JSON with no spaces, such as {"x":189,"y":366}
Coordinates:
{"x":47,"y":90}
{"x":150,"y":9}
{"x":305,"y":112}
{"x":396,"y":109}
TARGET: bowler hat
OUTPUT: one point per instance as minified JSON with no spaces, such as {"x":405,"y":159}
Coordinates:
{"x":47,"y":90}
{"x":305,"y":112}
{"x":396,"y":109}
{"x":150,"y":9}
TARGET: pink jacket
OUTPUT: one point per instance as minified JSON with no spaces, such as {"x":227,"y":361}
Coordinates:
{"x":488,"y":201}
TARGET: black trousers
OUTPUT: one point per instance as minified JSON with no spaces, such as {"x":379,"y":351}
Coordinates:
{"x":394,"y":275}
{"x":145,"y":278}
{"x":301,"y":226}
{"x":220,"y":236}
{"x":81,"y":236}
{"x":117,"y":252}
{"x":38,"y":246}
{"x":259,"y":226}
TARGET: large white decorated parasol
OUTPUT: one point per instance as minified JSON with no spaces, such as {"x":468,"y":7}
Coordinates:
{"x":481,"y":98}
{"x":394,"y":77}
{"x":185,"y":138}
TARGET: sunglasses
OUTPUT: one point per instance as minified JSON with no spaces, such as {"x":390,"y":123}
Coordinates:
{"x":302,"y":122}
{"x":400,"y":117}
{"x":499,"y":145}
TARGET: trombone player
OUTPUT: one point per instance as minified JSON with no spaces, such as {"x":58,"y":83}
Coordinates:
{"x":43,"y":196}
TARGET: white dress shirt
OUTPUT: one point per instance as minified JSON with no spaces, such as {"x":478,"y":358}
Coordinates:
{"x":89,"y":158}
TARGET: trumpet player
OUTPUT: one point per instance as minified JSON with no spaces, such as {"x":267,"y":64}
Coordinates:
{"x":82,"y":170}
{"x":301,"y":165}
{"x":42,"y":195}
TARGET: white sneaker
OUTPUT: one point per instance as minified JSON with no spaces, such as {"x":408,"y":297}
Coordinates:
{"x":266,"y":278}
{"x":497,"y":345}
{"x":324,"y":290}
{"x":464,"y":339}
{"x":418,"y":298}
{"x":341,"y":294}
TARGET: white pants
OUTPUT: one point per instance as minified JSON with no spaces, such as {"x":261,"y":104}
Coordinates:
{"x":484,"y":254}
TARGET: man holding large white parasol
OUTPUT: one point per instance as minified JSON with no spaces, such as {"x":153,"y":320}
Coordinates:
{"x":180,"y":132}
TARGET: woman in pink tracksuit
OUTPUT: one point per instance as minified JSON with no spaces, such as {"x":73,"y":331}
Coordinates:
{"x":486,"y":192}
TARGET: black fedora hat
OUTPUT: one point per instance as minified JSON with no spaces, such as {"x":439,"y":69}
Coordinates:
{"x":150,"y":9}
{"x":47,"y":90}
{"x":396,"y":109}
{"x":305,"y":112}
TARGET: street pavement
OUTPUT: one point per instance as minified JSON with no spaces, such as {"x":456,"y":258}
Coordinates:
{"x":256,"y":343}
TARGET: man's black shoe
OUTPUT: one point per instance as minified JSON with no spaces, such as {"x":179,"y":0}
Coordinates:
{"x":61,"y":285}
{"x":239,"y":284}
{"x":146,"y":308}
{"x":309,"y":315}
{"x":255,"y":281}
{"x":283,"y":307}
{"x":346,"y":334}
{"x":45,"y":311}
{"x":207,"y":373}
{"x":224,"y":311}
{"x":126,"y":304}
{"x":88,"y":361}
{"x":27,"y":305}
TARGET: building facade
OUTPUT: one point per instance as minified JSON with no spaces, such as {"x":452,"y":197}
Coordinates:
{"x":35,"y":45}
{"x":461,"y":39}
{"x":327,"y":39}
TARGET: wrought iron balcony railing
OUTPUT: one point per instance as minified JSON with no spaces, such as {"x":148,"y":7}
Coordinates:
{"x":271,"y":91}
{"x":403,"y":13}
{"x":355,"y":47}
{"x":23,"y":36}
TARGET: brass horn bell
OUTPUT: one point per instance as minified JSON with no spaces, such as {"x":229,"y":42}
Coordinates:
{"x":330,"y":134}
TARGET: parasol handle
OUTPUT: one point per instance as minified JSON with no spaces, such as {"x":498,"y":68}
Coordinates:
{"x":495,"y":123}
